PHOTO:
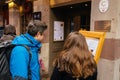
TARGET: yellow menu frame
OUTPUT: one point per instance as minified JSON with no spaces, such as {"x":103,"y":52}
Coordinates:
{"x":96,"y":35}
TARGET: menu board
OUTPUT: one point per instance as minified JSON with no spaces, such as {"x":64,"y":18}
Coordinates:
{"x":58,"y":30}
{"x":92,"y":44}
{"x":95,"y":41}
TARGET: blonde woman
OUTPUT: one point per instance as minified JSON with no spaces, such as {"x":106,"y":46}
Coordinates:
{"x":75,"y":61}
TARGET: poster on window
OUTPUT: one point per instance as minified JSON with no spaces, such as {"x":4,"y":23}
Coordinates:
{"x":58,"y":30}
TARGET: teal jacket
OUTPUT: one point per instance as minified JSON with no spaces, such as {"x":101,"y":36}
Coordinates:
{"x":19,"y":59}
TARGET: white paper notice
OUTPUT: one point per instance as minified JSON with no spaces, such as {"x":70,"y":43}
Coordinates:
{"x":58,"y":31}
{"x":92,"y":44}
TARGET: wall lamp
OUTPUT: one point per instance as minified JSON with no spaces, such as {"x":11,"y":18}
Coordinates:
{"x":9,"y":1}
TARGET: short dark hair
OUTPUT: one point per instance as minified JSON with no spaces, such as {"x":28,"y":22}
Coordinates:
{"x":9,"y":29}
{"x":35,"y":26}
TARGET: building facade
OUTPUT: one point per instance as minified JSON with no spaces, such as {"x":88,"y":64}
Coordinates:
{"x":104,"y":16}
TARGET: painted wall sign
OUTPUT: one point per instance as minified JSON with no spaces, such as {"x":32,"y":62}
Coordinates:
{"x":103,"y":5}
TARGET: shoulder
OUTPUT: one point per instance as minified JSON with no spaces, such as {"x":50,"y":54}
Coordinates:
{"x":19,"y":50}
{"x":7,"y":37}
{"x":19,"y":53}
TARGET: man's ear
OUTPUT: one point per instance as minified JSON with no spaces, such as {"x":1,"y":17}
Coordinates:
{"x":38,"y":33}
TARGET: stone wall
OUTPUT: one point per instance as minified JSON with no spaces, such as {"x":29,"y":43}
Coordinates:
{"x":108,"y":67}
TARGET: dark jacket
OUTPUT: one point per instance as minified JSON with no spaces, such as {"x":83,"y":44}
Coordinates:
{"x":62,"y":75}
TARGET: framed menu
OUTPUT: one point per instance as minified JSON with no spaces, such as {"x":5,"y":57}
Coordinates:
{"x":95,"y":41}
{"x":58,"y":30}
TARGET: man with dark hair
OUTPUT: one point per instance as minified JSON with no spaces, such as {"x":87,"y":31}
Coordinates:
{"x":9,"y":33}
{"x":24,"y":66}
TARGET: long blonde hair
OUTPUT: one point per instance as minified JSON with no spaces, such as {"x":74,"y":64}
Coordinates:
{"x":75,"y":58}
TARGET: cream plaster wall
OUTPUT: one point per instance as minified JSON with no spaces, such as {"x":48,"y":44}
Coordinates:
{"x":118,"y":17}
{"x":44,"y":55}
{"x":116,"y":70}
{"x":105,"y":69}
{"x":108,"y":69}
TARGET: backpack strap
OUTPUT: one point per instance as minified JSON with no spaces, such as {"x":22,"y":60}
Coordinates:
{"x":30,"y":56}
